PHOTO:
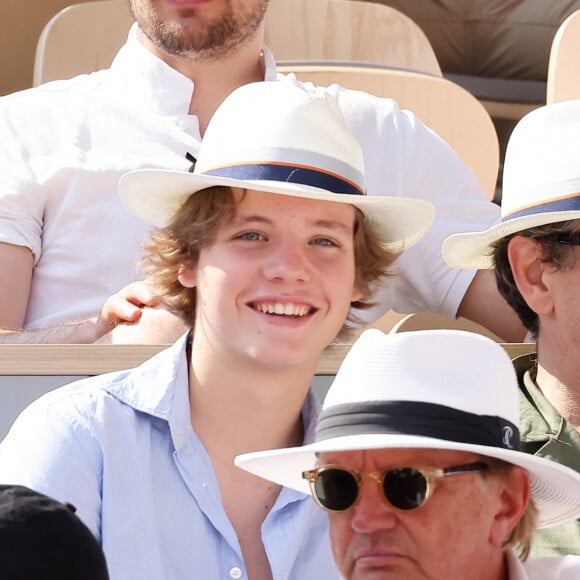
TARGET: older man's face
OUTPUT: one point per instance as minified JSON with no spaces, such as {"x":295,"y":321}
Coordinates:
{"x":201,"y":30}
{"x":449,"y":537}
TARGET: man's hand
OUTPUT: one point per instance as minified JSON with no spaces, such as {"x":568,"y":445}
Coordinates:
{"x":155,"y":326}
{"x":133,"y":316}
{"x":124,"y":307}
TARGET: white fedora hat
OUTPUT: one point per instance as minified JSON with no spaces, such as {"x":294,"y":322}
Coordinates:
{"x":278,"y":138}
{"x":541,"y":183}
{"x":440,"y":389}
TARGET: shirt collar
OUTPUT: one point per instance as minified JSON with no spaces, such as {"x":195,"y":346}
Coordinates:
{"x":150,"y":388}
{"x":538,"y":419}
{"x":270,"y":73}
{"x":151,"y":83}
{"x":310,"y":413}
{"x":148,"y":81}
{"x":159,"y":387}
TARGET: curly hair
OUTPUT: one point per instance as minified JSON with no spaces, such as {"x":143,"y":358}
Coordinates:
{"x":195,"y":226}
{"x":561,"y":256}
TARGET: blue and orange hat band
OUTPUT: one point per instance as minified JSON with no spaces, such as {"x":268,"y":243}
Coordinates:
{"x":288,"y":173}
{"x":569,"y":202}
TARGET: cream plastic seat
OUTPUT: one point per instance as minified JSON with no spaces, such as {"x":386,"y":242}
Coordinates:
{"x":431,"y":320}
{"x":563,"y":82}
{"x":81,"y":38}
{"x":347,"y":31}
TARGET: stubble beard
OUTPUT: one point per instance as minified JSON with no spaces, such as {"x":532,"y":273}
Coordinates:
{"x":201,"y":44}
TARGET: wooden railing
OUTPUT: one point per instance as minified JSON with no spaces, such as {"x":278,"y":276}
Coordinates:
{"x":94,"y":359}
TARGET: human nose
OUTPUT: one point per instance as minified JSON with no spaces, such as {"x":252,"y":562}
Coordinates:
{"x":371,"y":513}
{"x":288,"y":262}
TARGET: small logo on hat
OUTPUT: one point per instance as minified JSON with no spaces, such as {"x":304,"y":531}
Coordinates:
{"x":508,"y":434}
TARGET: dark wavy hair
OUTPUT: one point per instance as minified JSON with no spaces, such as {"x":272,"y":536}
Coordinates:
{"x":561,"y":256}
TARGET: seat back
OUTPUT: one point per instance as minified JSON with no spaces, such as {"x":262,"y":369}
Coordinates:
{"x":451,"y":111}
{"x":81,"y":38}
{"x":563,"y":82}
{"x":431,"y":320}
{"x":347,"y":31}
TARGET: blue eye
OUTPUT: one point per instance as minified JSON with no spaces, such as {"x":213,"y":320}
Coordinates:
{"x":251,"y":236}
{"x":324,"y":242}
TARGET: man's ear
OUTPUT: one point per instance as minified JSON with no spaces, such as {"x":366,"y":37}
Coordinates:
{"x":525,"y":258}
{"x":187,"y":275}
{"x":514,"y":495}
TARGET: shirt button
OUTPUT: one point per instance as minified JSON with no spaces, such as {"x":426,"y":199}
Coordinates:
{"x":235,"y":572}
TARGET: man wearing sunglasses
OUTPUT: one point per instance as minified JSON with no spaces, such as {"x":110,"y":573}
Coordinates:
{"x":417,"y":463}
{"x":535,"y":256}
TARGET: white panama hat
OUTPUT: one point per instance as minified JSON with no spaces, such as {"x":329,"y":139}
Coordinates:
{"x":541,"y":183}
{"x":278,"y":138}
{"x":439,"y":389}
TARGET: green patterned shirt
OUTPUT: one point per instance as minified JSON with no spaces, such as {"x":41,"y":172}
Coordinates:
{"x":546,"y":434}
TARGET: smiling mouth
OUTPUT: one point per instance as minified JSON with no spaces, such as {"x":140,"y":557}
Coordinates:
{"x":281,"y":309}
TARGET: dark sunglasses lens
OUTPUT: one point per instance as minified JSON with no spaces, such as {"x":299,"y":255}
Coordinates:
{"x":405,"y":488}
{"x":336,"y":489}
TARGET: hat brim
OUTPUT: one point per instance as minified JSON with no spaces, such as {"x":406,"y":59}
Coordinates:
{"x":155,"y":195}
{"x":474,"y":250}
{"x":554,"y":487}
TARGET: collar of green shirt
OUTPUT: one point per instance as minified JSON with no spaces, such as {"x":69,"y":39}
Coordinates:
{"x":543,"y":431}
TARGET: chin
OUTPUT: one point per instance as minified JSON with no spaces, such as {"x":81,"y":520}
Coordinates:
{"x":275,"y":356}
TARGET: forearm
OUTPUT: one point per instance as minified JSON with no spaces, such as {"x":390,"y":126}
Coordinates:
{"x":483,"y":304}
{"x":121,"y":311}
{"x":79,"y":331}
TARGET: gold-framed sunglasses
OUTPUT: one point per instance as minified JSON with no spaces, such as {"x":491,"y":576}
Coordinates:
{"x":336,"y":488}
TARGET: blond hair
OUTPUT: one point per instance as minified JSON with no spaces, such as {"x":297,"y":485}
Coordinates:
{"x":520,"y":538}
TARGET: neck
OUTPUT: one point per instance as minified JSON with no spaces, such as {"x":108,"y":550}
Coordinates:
{"x":558,"y":378}
{"x":214,"y":80}
{"x":239,"y":406}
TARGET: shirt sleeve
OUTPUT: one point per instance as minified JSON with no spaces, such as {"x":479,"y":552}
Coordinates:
{"x":29,"y":141}
{"x":50,"y":449}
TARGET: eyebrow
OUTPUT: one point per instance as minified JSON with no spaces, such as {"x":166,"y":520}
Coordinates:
{"x":327,"y":224}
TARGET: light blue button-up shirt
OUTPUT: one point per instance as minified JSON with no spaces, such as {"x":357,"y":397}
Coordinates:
{"x":120,"y":447}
